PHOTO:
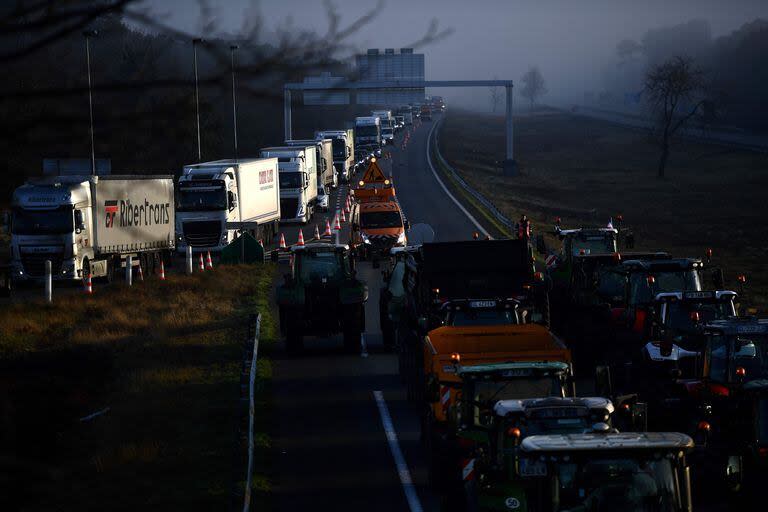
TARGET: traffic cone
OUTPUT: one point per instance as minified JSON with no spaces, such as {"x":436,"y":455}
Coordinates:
{"x":88,"y":285}
{"x":141,"y":274}
{"x":343,"y":218}
{"x":208,"y":261}
{"x":317,"y":233}
{"x":300,"y":243}
{"x":162,"y":270}
{"x":327,"y":228}
{"x":282,"y":242}
{"x":346,"y":208}
{"x":336,"y":223}
{"x":202,"y":264}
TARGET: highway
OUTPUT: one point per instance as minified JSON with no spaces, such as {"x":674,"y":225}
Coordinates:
{"x":330,"y":444}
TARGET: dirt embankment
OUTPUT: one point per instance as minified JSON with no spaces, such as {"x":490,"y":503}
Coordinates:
{"x":587,"y":171}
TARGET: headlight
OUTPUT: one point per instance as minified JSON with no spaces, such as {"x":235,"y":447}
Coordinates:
{"x":365,"y":238}
{"x":224,"y":237}
{"x":401,"y":238}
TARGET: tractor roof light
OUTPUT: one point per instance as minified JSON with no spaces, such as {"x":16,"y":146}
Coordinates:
{"x":617,"y":257}
{"x":742,"y":278}
{"x":704,"y":426}
{"x":514,"y":432}
{"x":741,"y":371}
{"x":651,"y":280}
{"x":695,"y":317}
{"x":456,"y":358}
{"x":373,"y":159}
{"x":620,"y":218}
{"x":538,"y":276}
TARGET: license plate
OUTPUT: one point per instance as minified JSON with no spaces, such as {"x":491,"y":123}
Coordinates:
{"x":532,"y":468}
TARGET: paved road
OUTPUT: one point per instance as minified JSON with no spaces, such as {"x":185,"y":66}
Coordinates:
{"x":332,"y":450}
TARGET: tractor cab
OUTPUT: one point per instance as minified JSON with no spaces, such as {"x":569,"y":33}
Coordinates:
{"x":322,"y":295}
{"x":605,"y":471}
{"x":732,"y":399}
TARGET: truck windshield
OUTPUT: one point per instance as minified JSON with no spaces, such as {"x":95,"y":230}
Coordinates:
{"x":290,"y":180}
{"x":194,"y":199}
{"x":385,"y":219}
{"x":624,"y":484}
{"x":315,"y":266}
{"x":43,"y":222}
{"x":679,"y":313}
{"x":468,"y":317}
{"x":369,"y":130}
{"x":641,"y":292}
{"x":593,"y":245}
{"x":339,"y":149}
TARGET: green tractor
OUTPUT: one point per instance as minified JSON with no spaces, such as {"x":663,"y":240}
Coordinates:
{"x":322,"y":296}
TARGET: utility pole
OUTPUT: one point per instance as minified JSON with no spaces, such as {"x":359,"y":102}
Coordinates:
{"x":232,"y":49}
{"x":88,"y":34}
{"x":195,"y":42}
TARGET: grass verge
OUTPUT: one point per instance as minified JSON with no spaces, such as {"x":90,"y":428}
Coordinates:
{"x":586,"y":171}
{"x":165,"y":358}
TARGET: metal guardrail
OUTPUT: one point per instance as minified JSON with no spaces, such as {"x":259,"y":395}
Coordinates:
{"x":241,"y":493}
{"x":500,"y":217}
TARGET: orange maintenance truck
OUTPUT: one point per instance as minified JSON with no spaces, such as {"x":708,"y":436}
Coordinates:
{"x":377,"y":221}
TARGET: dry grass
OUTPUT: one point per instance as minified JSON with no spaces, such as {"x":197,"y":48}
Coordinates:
{"x":586,"y":171}
{"x":165,"y":357}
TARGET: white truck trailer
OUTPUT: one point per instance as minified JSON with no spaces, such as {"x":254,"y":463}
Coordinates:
{"x":368,"y":134}
{"x":89,"y":225}
{"x":298,"y":181}
{"x":343,"y":144}
{"x":214,"y":198}
{"x":326,"y":174}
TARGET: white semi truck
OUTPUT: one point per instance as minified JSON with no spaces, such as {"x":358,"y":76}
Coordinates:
{"x":387,"y":123}
{"x":298,"y":181}
{"x":214,"y":198}
{"x":89,"y":225}
{"x":368,"y":134}
{"x":343,"y":144}
{"x":326,"y":174}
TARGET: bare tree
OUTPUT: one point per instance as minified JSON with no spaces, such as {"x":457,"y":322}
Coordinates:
{"x":675,"y":91}
{"x":495,"y":96}
{"x":533,"y":87}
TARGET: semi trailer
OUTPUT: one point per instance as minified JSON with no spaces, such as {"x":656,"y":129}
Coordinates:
{"x":326,"y":174}
{"x":89,"y":225}
{"x":213,"y":197}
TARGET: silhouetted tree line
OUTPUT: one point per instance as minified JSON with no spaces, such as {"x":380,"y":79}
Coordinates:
{"x":143,"y":85}
{"x":734,"y":66}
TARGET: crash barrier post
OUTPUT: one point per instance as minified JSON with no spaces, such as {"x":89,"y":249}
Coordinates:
{"x":88,"y":284}
{"x":48,"y":282}
{"x":250,"y":370}
{"x":129,"y":270}
{"x":162,"y":270}
{"x":189,"y":260}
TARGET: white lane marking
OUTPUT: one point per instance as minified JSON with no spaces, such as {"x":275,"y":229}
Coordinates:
{"x":363,"y":346}
{"x":448,"y":192}
{"x":394,"y":446}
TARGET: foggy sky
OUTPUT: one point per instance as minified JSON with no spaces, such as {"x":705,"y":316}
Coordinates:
{"x":570,"y":40}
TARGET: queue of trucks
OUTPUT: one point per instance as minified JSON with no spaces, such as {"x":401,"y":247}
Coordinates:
{"x":93,"y":225}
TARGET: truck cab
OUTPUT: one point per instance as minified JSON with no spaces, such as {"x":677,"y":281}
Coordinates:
{"x":604,"y":471}
{"x":297,"y":171}
{"x":368,"y":135}
{"x":343,"y":146}
{"x":326,"y":173}
{"x":51,"y":219}
{"x":206,"y":199}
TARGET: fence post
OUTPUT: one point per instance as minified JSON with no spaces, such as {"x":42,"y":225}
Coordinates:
{"x":189,"y":260}
{"x":48,"y":282}
{"x":129,"y":270}
{"x":251,"y":414}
